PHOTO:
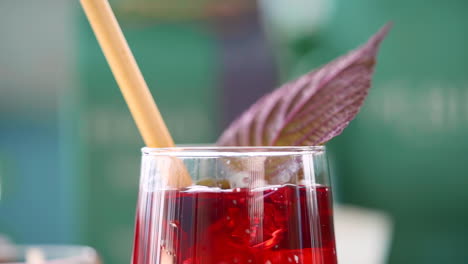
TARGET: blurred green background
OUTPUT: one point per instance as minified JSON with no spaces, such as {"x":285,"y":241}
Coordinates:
{"x":69,"y":150}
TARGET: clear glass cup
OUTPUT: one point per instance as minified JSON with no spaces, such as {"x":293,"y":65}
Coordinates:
{"x":252,"y":205}
{"x":48,"y":254}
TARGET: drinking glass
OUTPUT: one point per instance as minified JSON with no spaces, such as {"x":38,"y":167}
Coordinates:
{"x":48,"y":254}
{"x":244,"y":205}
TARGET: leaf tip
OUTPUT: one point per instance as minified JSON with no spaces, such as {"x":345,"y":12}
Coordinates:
{"x":381,"y":34}
{"x":325,"y":101}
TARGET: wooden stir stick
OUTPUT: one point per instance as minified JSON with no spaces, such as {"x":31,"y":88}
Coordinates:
{"x":132,"y":85}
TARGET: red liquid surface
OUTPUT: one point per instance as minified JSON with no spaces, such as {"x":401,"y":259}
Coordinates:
{"x":277,"y":225}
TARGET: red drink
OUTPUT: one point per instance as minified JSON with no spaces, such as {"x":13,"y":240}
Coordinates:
{"x":273,"y":225}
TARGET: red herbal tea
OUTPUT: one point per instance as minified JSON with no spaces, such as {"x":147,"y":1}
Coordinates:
{"x":275,"y":225}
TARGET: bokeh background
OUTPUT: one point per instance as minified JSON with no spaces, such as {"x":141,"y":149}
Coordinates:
{"x":69,"y":151}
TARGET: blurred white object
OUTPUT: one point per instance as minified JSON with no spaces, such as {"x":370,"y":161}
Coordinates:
{"x":35,"y":256}
{"x":296,"y":18}
{"x":363,"y":236}
{"x":47,"y":254}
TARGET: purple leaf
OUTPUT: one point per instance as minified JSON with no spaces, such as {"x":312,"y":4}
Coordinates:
{"x":312,"y":109}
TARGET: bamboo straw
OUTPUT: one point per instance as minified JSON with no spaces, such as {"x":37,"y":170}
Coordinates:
{"x":132,"y":84}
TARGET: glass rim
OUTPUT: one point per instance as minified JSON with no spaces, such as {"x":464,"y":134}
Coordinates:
{"x":231,"y":151}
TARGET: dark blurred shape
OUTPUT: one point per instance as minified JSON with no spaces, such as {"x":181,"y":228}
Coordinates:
{"x":248,"y":70}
